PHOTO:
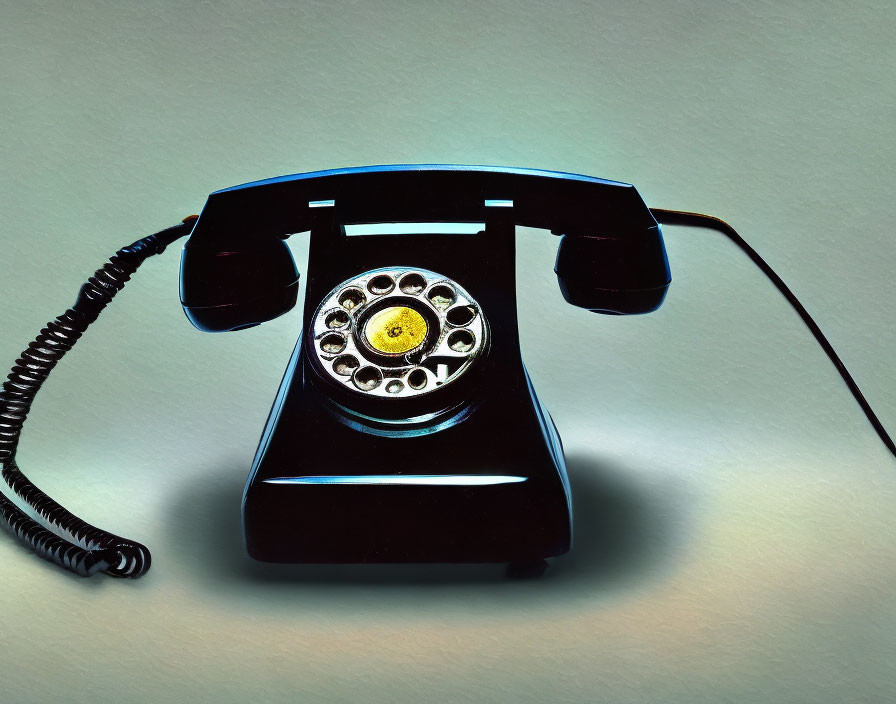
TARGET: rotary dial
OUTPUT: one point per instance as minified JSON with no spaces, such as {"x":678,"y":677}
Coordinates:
{"x":397,"y":332}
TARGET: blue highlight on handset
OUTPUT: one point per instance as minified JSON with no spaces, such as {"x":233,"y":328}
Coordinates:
{"x":402,"y":479}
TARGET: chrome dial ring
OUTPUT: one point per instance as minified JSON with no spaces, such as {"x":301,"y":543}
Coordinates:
{"x":397,"y":332}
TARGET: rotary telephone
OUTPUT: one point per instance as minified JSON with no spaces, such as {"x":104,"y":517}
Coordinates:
{"x":421,"y":436}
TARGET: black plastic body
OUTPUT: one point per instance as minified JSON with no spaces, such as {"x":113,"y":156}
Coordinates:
{"x":236,"y":272}
{"x":490,"y":424}
{"x":614,"y":275}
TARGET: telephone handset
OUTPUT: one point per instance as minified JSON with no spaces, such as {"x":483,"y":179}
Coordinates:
{"x":406,"y":428}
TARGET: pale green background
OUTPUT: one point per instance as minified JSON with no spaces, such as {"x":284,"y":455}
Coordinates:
{"x":736,"y":539}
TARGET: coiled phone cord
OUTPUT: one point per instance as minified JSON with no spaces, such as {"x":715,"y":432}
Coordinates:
{"x":91,"y":549}
{"x":688,"y":219}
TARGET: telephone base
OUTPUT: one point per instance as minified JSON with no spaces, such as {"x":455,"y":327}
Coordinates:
{"x":487,"y":484}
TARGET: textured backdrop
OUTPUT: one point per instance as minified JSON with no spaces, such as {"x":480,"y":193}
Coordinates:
{"x":735,"y":532}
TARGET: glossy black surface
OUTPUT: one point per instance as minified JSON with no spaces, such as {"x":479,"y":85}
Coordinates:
{"x":236,"y":272}
{"x":237,"y":286}
{"x":306,"y":499}
{"x":492,"y":425}
{"x":619,"y":276}
{"x":564,"y":203}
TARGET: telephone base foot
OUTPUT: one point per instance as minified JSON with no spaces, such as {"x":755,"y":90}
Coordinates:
{"x":526,"y":570}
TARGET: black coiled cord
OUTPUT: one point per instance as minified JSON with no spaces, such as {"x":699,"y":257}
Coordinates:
{"x":86,"y":549}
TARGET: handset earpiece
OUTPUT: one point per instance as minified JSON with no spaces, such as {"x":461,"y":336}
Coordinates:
{"x":615,"y":275}
{"x":236,"y":284}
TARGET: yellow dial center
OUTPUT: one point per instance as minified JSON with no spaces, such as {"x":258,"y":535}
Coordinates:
{"x":395,"y":330}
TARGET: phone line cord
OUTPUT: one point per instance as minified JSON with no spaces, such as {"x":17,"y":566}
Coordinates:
{"x":688,"y":219}
{"x":90,"y":549}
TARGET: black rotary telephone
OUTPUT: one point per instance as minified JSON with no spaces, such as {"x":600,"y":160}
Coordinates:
{"x":406,"y":428}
